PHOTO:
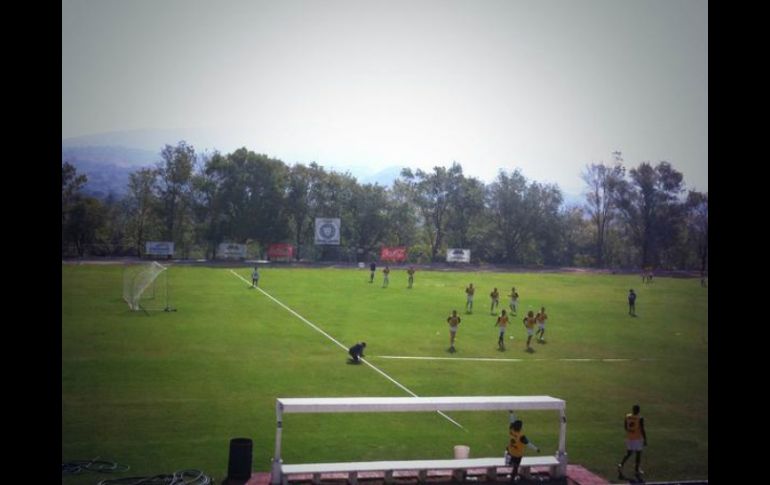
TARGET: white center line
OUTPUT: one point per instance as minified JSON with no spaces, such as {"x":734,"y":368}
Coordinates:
{"x":493,"y":359}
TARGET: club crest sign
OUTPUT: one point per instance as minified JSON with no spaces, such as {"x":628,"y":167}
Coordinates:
{"x":327,"y":231}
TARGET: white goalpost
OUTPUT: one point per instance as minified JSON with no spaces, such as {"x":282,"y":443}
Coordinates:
{"x":145,"y":287}
{"x":279,"y":471}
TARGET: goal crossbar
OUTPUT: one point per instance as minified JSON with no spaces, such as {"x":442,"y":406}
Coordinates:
{"x":417,"y":404}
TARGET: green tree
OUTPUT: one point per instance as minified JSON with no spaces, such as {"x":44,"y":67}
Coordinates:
{"x":369,"y":217}
{"x":71,"y":185}
{"x":648,"y":204}
{"x":142,"y":205}
{"x":174,"y":190}
{"x":431,"y":195}
{"x":298,"y":204}
{"x":466,"y":204}
{"x":601,"y":200}
{"x":513,"y":209}
{"x":86,"y":218}
{"x":697,"y":206}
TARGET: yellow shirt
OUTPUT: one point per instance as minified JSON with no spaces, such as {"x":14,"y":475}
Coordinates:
{"x":515,"y":446}
{"x":529,"y":322}
{"x":633,"y":427}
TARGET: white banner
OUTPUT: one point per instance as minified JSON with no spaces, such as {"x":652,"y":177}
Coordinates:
{"x":454,"y":255}
{"x":233,"y":251}
{"x":159,"y":248}
{"x":327,"y":231}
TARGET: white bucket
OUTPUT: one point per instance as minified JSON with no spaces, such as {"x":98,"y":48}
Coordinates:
{"x":462,"y":452}
{"x":361,"y":265}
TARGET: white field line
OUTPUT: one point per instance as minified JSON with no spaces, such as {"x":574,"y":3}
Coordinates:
{"x":316,"y":328}
{"x":491,"y":359}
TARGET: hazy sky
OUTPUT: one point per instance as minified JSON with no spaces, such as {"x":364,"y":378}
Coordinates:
{"x":544,"y":86}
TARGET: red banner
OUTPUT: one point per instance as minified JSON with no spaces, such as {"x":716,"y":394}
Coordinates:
{"x":280,"y":251}
{"x":393,"y":254}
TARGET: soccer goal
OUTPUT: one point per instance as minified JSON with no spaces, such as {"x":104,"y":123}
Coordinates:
{"x":145,"y":287}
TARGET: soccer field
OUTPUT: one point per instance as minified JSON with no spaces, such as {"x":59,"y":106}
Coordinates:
{"x":168,"y":391}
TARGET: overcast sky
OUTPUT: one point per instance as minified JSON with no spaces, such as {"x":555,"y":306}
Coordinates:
{"x":543,"y":86}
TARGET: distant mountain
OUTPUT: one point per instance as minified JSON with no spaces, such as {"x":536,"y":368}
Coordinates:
{"x":154,"y":140}
{"x":114,"y":155}
{"x":384,"y":177}
{"x":107,"y":167}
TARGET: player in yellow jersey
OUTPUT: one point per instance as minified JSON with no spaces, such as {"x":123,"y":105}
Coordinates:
{"x":516,"y":442}
{"x":541,"y":319}
{"x":470,"y":290}
{"x":454,"y":321}
{"x":502,"y":322}
{"x":514,"y":300}
{"x":385,"y":275}
{"x":529,"y":323}
{"x":495,"y":297}
{"x":636,"y":439}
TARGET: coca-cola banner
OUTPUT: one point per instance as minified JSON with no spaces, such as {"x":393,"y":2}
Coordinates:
{"x":393,"y":254}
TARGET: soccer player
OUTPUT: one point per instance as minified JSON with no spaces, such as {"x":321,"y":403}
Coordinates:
{"x":255,"y":277}
{"x":372,"y":268}
{"x":541,"y":319}
{"x":529,"y":323}
{"x":636,"y":439}
{"x":385,"y":273}
{"x":502,"y":322}
{"x":454,"y":321}
{"x":356,"y":352}
{"x":631,"y":302}
{"x":495,"y":297}
{"x":514,"y":300}
{"x":410,"y":272}
{"x":516,"y":442}
{"x":469,"y":291}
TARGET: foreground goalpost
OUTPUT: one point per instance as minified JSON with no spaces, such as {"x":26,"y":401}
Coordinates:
{"x":145,"y":287}
{"x":412,"y":404}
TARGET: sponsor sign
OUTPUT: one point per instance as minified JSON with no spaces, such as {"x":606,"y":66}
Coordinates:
{"x":327,"y":231}
{"x":455,"y":255}
{"x":280,"y":251}
{"x":396,"y":254}
{"x":231,"y":251}
{"x":159,"y":248}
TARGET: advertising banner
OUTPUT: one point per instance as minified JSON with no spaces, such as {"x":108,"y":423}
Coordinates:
{"x":395,"y":254}
{"x":455,"y":255}
{"x":159,"y":248}
{"x":231,"y":251}
{"x":282,"y":251}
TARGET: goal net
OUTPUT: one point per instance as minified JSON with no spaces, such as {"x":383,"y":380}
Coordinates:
{"x":145,"y":286}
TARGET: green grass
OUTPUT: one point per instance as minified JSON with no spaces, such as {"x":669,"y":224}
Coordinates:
{"x":168,"y":391}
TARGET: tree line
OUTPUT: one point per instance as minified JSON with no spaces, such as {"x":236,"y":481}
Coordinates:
{"x":637,"y":217}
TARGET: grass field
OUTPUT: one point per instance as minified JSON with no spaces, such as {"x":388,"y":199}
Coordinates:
{"x":168,"y":391}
